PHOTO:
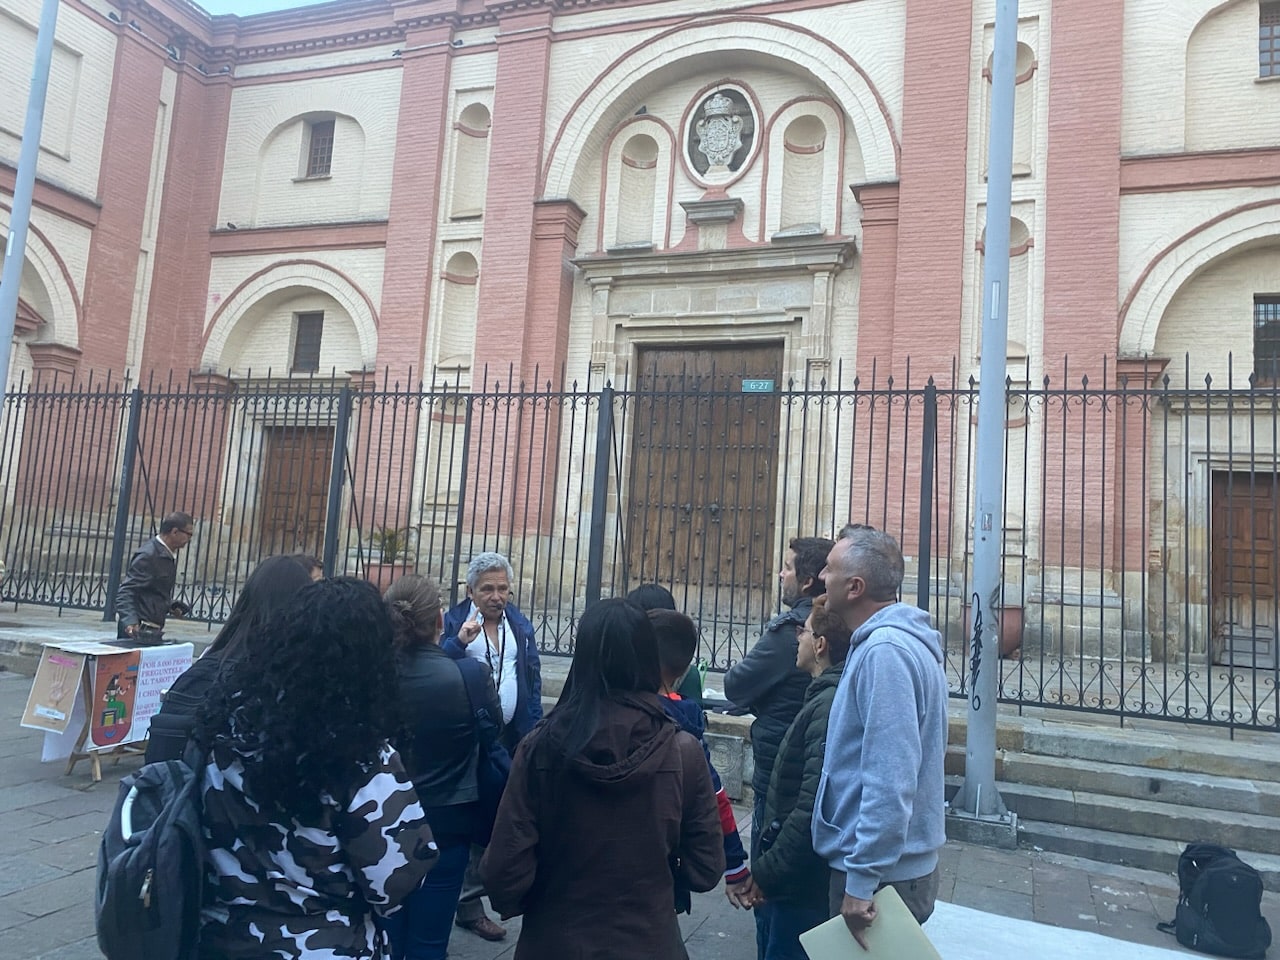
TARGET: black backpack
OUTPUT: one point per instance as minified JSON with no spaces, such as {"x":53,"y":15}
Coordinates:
{"x":150,"y":864}
{"x":1219,"y":904}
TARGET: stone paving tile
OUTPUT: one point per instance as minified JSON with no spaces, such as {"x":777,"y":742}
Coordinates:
{"x":56,"y":831}
{"x":36,"y":794}
{"x":86,"y":949}
{"x":23,"y":873}
{"x":12,"y":916}
{"x":1004,"y":902}
{"x":79,"y":853}
{"x":74,"y":890}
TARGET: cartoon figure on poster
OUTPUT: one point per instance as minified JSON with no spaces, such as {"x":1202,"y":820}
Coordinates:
{"x":114,"y":692}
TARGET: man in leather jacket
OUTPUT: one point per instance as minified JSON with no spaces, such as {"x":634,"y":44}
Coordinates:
{"x":145,"y":597}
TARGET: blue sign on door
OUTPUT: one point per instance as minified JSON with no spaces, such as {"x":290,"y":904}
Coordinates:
{"x":757,"y":386}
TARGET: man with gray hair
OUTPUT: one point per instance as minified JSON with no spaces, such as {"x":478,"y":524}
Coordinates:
{"x":878,"y":818}
{"x":489,"y":627}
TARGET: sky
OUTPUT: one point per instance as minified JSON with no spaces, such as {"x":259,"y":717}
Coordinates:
{"x":244,"y":7}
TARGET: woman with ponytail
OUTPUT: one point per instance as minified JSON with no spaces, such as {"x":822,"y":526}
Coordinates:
{"x":439,"y":747}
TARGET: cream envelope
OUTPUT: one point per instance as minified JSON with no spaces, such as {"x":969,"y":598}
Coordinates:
{"x":894,"y":935}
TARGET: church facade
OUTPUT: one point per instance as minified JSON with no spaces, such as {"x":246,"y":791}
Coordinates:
{"x":531,"y":191}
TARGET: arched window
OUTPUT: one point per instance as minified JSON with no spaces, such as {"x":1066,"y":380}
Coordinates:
{"x":1024,"y":111}
{"x":637,"y":189}
{"x":804,"y":144}
{"x":456,"y":341}
{"x":470,"y":162}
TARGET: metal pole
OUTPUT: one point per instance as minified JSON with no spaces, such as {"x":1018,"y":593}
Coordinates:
{"x":978,"y":796}
{"x":115,"y":566}
{"x":929,"y":442}
{"x":337,"y":472}
{"x":24,"y":187}
{"x":599,"y":497}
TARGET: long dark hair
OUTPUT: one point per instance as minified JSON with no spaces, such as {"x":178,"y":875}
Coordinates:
{"x":307,"y":710}
{"x":614,"y":653}
{"x":269,"y":589}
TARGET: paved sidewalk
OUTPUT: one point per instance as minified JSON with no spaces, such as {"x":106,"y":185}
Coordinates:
{"x":50,"y":828}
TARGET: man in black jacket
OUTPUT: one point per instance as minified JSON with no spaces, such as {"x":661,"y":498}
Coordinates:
{"x":767,"y":681}
{"x":145,"y":597}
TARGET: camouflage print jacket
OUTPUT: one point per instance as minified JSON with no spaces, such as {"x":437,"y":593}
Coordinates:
{"x":296,"y":890}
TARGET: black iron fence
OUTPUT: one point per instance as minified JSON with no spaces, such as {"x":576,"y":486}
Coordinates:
{"x":1140,"y":526}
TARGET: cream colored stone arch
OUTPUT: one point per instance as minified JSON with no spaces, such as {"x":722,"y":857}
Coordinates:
{"x":61,"y":306}
{"x":295,"y":273}
{"x":1182,"y":260}
{"x":830,"y":66}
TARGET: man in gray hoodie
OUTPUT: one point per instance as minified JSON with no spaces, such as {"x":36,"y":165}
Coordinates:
{"x":878,"y":818}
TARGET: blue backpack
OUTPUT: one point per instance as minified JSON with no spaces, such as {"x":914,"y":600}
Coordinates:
{"x":151,"y":864}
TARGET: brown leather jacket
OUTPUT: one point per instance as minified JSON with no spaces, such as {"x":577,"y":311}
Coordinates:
{"x":589,"y":850}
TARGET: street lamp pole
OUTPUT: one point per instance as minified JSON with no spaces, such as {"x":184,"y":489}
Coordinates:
{"x":978,"y":797}
{"x":23,"y":190}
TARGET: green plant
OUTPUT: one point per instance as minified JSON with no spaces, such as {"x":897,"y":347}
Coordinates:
{"x":392,"y":543}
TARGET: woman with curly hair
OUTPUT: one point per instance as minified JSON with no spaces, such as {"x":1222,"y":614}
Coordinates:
{"x":269,"y":588}
{"x":311,"y":825}
{"x":607,"y":755}
{"x":440,"y":749}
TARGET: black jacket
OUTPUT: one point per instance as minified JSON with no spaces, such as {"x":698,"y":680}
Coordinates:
{"x":173,"y":725}
{"x":147,"y":589}
{"x":789,"y":870}
{"x":769,"y":684}
{"x":438,"y":748}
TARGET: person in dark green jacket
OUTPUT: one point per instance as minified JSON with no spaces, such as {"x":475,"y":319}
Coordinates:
{"x":790,"y":880}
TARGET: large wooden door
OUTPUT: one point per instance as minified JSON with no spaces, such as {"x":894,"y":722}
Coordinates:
{"x":1245,"y":523}
{"x":704,"y":473}
{"x":295,"y":486}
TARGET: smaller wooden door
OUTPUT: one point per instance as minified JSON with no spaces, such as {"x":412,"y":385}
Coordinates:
{"x":1245,"y":563}
{"x":295,"y":487}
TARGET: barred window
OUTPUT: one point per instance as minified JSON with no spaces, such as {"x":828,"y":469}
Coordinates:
{"x":1266,"y":338}
{"x":320,"y":148}
{"x":306,"y":342}
{"x":1269,"y":40}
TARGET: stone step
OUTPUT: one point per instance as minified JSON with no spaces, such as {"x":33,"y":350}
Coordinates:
{"x":1144,"y":818}
{"x":1144,"y":853}
{"x":1137,"y":782}
{"x":1251,"y":756}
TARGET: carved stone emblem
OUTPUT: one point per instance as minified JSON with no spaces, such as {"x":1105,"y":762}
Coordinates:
{"x":721,"y":135}
{"x":719,"y":132}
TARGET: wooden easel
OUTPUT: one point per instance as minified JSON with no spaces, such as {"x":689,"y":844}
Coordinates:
{"x":94,"y":754}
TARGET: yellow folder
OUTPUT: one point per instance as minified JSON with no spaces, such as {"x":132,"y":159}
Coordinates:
{"x":893,"y":935}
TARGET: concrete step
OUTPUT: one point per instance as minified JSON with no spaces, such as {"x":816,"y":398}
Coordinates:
{"x":1144,"y":853}
{"x":1136,"y":782}
{"x":1143,"y":818}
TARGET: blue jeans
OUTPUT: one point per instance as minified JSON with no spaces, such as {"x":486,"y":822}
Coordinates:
{"x":420,"y":929}
{"x":779,"y":925}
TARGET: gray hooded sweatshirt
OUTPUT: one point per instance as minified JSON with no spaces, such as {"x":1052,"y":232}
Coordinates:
{"x":879,"y":814}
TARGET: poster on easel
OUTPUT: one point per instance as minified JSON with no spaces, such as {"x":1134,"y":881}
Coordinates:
{"x":54,"y":691}
{"x":115,"y":688}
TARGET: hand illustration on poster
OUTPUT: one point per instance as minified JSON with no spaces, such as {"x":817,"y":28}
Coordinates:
{"x":115,"y":685}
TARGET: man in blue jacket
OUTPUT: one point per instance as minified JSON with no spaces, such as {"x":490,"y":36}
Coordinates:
{"x":878,"y":818}
{"x":489,"y":627}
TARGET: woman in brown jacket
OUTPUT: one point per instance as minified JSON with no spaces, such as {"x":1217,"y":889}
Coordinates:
{"x":609,"y":805}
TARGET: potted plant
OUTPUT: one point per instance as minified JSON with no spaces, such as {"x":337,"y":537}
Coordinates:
{"x":391,"y":546}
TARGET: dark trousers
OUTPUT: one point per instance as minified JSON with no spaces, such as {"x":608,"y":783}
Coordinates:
{"x":757,"y":828}
{"x":919,"y":894}
{"x":420,"y":929}
{"x":470,"y":905}
{"x":779,"y":925}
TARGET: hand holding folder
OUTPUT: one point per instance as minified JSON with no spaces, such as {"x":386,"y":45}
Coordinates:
{"x":894,"y":935}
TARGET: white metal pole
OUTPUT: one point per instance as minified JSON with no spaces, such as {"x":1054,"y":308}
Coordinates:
{"x":978,"y":796}
{"x":23,"y":190}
